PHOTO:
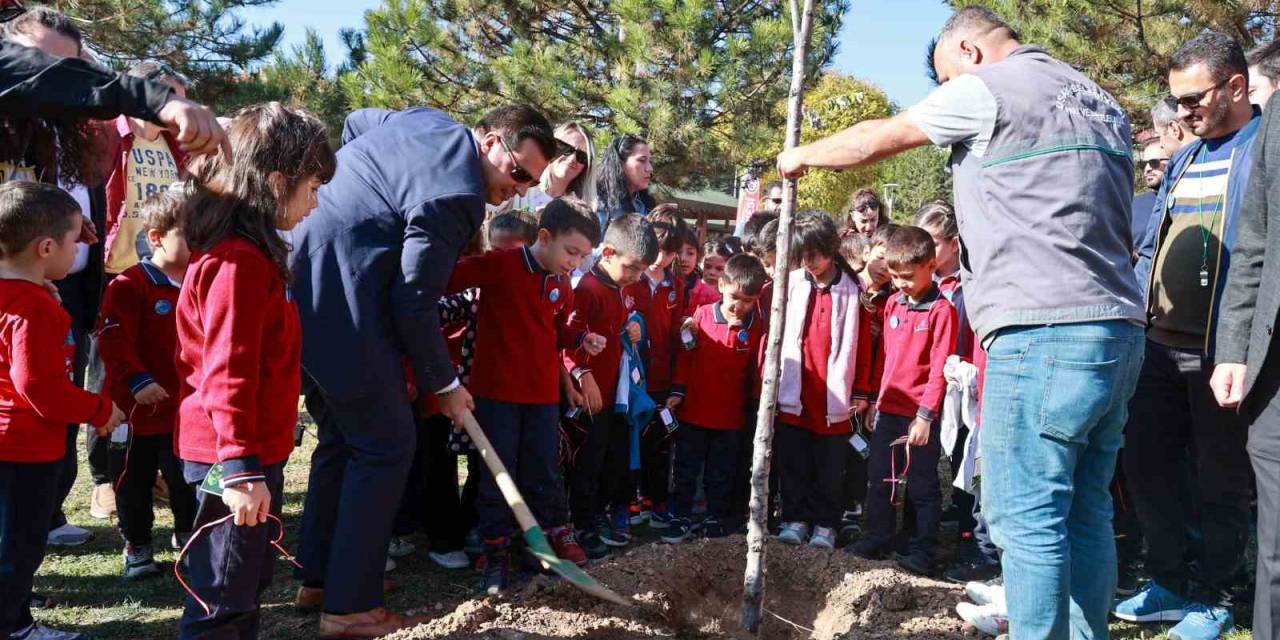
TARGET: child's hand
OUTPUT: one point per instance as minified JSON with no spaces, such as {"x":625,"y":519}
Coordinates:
{"x":249,"y":502}
{"x":860,"y":406}
{"x":918,"y":434}
{"x":674,"y":401}
{"x":573,"y":397}
{"x":117,"y":416}
{"x":593,"y":343}
{"x":590,"y":393}
{"x":633,"y":332}
{"x":151,"y":394}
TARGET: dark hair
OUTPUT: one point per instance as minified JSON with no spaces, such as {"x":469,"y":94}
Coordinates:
{"x":611,"y":179}
{"x":930,"y":66}
{"x":724,"y":247}
{"x":852,"y":248}
{"x":732,"y":244}
{"x":1267,"y":59}
{"x":909,"y":246}
{"x":667,"y":226}
{"x":1218,"y":51}
{"x":937,"y":216}
{"x":157,"y":71}
{"x":519,"y":122}
{"x":513,"y":222}
{"x":566,"y":214}
{"x":752,"y":231}
{"x":632,"y":236}
{"x":975,"y":21}
{"x":45,"y":17}
{"x":771,"y":185}
{"x":690,"y":237}
{"x":881,"y":236}
{"x":865,"y":197}
{"x":766,"y":241}
{"x":234,"y":196}
{"x":814,"y":232}
{"x":745,"y":272}
{"x":163,"y":212}
{"x":33,"y":210}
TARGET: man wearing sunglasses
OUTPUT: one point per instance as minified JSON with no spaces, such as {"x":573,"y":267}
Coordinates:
{"x":1175,"y":424}
{"x":1152,"y":165}
{"x":369,"y":266}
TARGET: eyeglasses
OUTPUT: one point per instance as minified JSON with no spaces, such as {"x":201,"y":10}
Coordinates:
{"x":777,"y":201}
{"x":1154,"y":163}
{"x":1193,"y":101}
{"x":518,"y":173}
{"x":10,"y":9}
{"x":565,"y":149}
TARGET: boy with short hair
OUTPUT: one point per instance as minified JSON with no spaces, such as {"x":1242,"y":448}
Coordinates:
{"x":524,"y":309}
{"x":39,"y":225}
{"x":715,"y":380}
{"x":509,"y":230}
{"x":919,"y":334}
{"x":599,"y":473}
{"x":138,"y":337}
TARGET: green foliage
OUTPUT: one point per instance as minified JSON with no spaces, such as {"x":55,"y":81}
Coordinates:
{"x":921,"y":176}
{"x":699,"y":78}
{"x":1125,"y":45}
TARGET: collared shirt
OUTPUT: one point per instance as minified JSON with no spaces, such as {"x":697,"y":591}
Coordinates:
{"x":918,"y":337}
{"x":601,"y":307}
{"x":722,"y":371}
{"x":815,"y":351}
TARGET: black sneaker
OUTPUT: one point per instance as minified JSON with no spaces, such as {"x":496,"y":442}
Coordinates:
{"x":952,"y":513}
{"x":972,"y":571}
{"x":592,"y":545}
{"x":497,"y":563}
{"x":1127,"y":581}
{"x":917,"y":563}
{"x":677,"y":531}
{"x":713,"y":528}
{"x":868,"y":549}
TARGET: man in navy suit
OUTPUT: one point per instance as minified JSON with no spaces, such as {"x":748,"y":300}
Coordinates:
{"x":369,"y":265}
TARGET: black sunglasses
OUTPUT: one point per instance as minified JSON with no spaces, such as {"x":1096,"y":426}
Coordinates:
{"x":1193,"y":101}
{"x":1154,"y":163}
{"x":777,"y":201}
{"x":565,"y":149}
{"x":10,"y":9}
{"x":518,"y":173}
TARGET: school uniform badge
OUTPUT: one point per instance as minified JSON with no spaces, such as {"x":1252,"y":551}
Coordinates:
{"x":163,"y":307}
{"x":893,"y":322}
{"x":743,"y":336}
{"x":554,"y":295}
{"x":671,"y":297}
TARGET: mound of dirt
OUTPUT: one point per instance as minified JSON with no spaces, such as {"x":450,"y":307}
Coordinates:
{"x":693,"y":590}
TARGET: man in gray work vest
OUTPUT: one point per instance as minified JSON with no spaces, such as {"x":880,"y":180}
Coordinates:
{"x":1043,"y":192}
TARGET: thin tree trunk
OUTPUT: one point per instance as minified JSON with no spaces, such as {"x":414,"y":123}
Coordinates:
{"x":753,"y":581}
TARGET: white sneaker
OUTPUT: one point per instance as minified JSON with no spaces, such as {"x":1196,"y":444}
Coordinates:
{"x":982,"y":593}
{"x":139,"y":563}
{"x":390,"y":566}
{"x":69,"y":535}
{"x":823,"y":537}
{"x":400,"y":547}
{"x":986,"y":618}
{"x":793,"y":533}
{"x":451,"y":560}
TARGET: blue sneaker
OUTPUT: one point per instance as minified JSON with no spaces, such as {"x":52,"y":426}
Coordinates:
{"x":660,"y":517}
{"x":1152,"y":603}
{"x":1203,"y":622}
{"x":617,"y":532}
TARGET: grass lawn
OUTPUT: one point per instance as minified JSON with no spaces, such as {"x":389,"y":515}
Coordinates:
{"x":92,"y":599}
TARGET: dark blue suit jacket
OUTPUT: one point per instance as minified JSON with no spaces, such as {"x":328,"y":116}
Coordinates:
{"x":372,"y":260}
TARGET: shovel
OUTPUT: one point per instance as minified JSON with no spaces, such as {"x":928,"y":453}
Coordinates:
{"x":534,"y":538}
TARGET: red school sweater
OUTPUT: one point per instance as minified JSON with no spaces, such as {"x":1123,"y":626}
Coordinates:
{"x":721,"y":372}
{"x":662,"y":305}
{"x":521,"y":327}
{"x":599,"y":306}
{"x":918,"y":337}
{"x":239,"y":361}
{"x":37,"y":398}
{"x":138,"y":341}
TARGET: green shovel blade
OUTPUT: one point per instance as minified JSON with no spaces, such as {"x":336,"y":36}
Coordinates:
{"x":537,"y":544}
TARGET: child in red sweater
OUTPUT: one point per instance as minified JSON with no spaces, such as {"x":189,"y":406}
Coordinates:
{"x":919,"y":335}
{"x":39,"y":225}
{"x":525,"y":302}
{"x":715,"y":382}
{"x":599,"y":490}
{"x":137,"y":338}
{"x":239,"y":357}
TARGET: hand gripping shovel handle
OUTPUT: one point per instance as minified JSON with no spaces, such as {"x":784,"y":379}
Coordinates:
{"x":533,"y":535}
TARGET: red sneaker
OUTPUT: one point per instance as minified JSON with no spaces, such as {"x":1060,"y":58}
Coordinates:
{"x":566,"y":546}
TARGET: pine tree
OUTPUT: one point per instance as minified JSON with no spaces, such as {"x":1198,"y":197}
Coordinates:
{"x":698,"y":78}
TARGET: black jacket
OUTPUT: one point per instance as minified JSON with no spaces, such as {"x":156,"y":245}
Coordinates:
{"x":36,"y":85}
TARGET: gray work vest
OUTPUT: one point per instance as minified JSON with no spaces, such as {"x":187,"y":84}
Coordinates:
{"x":1044,"y":215}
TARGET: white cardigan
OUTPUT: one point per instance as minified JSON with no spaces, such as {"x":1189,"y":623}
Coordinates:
{"x":844,"y":345}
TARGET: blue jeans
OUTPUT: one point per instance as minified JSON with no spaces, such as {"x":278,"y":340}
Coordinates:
{"x":1054,"y":407}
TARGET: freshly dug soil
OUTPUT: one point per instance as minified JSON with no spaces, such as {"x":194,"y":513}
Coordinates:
{"x":693,"y":590}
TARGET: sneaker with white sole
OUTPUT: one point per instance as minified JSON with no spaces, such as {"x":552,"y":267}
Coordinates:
{"x":1203,"y":622}
{"x":400,"y":547}
{"x":1152,"y":603}
{"x":389,"y":566}
{"x":823,"y":537}
{"x":450,"y":560}
{"x":69,"y":535}
{"x":793,"y":533}
{"x":139,"y":562}
{"x":985,"y":593}
{"x":179,"y":540}
{"x":987,"y":618}
{"x":38,"y":631}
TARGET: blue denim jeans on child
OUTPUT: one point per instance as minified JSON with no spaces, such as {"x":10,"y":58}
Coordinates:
{"x":1054,"y":406}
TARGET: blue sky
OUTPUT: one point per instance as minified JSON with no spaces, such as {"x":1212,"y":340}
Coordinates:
{"x":882,"y":41}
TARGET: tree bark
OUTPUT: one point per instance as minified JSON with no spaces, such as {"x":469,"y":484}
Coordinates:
{"x":753,"y":581}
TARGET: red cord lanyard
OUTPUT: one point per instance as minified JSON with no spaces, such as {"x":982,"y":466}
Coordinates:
{"x":895,"y":480}
{"x":177,"y":562}
{"x":128,"y":447}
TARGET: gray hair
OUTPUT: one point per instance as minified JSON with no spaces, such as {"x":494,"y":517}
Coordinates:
{"x":1163,"y":112}
{"x":975,"y":21}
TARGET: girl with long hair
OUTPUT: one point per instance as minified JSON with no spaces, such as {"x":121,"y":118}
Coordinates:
{"x":622,"y":181}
